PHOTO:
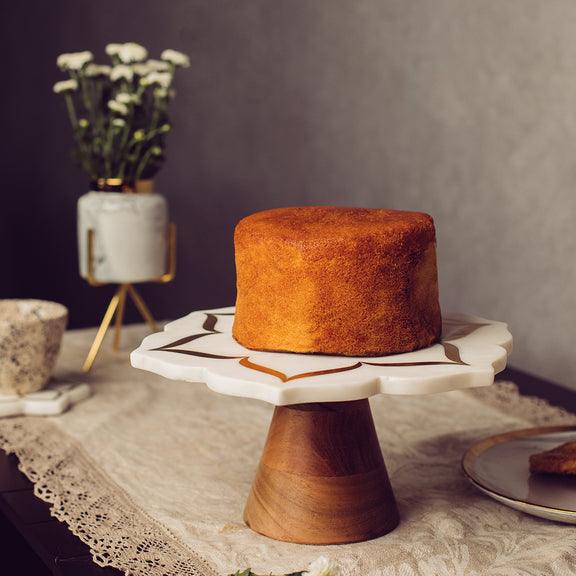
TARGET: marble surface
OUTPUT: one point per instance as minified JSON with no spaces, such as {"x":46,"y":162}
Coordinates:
{"x":200,"y":348}
{"x":130,"y":233}
{"x":55,"y":399}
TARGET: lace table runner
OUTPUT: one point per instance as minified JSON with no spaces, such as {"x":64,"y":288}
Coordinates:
{"x":153,"y":475}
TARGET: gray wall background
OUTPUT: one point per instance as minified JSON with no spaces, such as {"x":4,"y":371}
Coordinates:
{"x":465,"y":109}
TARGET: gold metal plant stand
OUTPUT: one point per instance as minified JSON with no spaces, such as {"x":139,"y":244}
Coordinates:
{"x":118,"y":303}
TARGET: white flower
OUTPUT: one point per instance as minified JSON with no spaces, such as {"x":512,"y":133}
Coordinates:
{"x":65,"y":86}
{"x":323,"y":567}
{"x":131,"y":52}
{"x":93,"y":70}
{"x":157,"y":65}
{"x":74,"y":60}
{"x":121,"y":72}
{"x":119,"y":122}
{"x":176,"y":58}
{"x":141,"y":68}
{"x":163,"y":79}
{"x":83,"y":123}
{"x":124,"y":98}
{"x":118,"y":107}
{"x":113,"y":49}
{"x":128,"y":52}
{"x":127,"y":98}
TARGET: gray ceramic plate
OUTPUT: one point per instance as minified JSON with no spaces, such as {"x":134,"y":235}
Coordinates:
{"x":499,"y":467}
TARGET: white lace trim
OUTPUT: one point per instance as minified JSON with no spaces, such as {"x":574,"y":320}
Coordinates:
{"x":504,"y":396}
{"x":122,"y":535}
{"x":119,"y":533}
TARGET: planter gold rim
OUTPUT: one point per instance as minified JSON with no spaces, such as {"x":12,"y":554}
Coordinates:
{"x":142,"y":186}
{"x":482,"y":445}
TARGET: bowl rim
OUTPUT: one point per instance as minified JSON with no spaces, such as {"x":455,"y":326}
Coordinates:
{"x":56,"y":311}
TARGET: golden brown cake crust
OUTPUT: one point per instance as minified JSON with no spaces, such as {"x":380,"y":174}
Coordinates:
{"x":559,"y":460}
{"x":332,"y":280}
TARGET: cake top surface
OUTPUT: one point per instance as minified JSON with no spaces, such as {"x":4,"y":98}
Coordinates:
{"x":299,"y":223}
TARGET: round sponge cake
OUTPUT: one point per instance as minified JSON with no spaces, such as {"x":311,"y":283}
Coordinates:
{"x":333,"y":280}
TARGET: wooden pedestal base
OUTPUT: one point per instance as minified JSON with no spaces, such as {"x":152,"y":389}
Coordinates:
{"x":322,"y":478}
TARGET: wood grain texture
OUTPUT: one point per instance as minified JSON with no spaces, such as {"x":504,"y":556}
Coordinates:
{"x":322,"y":477}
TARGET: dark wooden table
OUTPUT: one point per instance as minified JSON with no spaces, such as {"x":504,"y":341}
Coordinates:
{"x":38,"y":545}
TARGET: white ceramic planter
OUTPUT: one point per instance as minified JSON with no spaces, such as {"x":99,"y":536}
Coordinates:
{"x":129,"y":236}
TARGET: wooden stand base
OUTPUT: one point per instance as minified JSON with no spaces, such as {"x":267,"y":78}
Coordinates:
{"x":322,"y":478}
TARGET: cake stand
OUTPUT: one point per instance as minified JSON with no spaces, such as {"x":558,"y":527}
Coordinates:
{"x":322,"y":477}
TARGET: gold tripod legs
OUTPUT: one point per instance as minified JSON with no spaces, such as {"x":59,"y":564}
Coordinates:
{"x":94,"y":349}
{"x":142,"y":308}
{"x":119,"y":316}
{"x":116,"y":307}
{"x":118,"y":303}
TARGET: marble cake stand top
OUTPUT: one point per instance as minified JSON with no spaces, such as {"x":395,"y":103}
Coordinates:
{"x":200,"y":348}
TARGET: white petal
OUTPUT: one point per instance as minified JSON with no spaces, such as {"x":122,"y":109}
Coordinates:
{"x":176,"y":58}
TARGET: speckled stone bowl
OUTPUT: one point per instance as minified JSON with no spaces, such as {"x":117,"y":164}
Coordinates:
{"x":30,"y":336}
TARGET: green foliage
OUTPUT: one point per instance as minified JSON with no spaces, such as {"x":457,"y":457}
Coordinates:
{"x":119,"y":113}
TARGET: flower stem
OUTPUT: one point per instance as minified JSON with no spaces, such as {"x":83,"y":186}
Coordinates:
{"x":142,"y":164}
{"x":71,"y":111}
{"x":83,"y":152}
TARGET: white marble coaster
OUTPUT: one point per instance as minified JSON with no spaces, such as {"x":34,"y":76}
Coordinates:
{"x":56,"y":398}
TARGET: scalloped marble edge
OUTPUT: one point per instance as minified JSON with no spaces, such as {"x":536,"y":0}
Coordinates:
{"x":54,"y":399}
{"x":484,"y":351}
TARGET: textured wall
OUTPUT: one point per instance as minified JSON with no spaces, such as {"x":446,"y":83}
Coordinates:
{"x":462,"y":108}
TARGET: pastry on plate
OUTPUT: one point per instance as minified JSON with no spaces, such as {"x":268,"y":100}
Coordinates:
{"x":559,"y":460}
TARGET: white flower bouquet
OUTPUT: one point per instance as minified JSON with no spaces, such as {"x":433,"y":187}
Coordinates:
{"x":119,"y":112}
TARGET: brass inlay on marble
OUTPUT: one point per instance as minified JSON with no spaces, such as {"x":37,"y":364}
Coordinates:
{"x":259,"y":368}
{"x":253,"y":366}
{"x":451,"y":351}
